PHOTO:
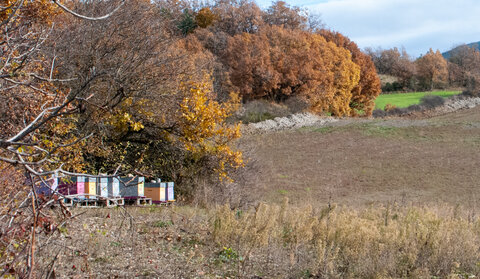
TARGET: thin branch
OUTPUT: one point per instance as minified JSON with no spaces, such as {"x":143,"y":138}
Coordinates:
{"x":71,"y":144}
{"x":86,"y":17}
{"x":4,"y":143}
{"x":50,"y":79}
{"x":53,"y":66}
{"x":28,"y":129}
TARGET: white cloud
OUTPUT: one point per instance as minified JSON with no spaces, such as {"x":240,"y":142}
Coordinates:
{"x":415,"y":24}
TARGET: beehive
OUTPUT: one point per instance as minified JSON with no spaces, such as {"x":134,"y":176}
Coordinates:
{"x":170,"y":192}
{"x":47,"y":186}
{"x":91,"y":187}
{"x":71,"y":185}
{"x":141,"y":186}
{"x":132,"y":187}
{"x":156,"y":191}
{"x":102,"y":186}
{"x":113,"y":187}
{"x":81,"y":186}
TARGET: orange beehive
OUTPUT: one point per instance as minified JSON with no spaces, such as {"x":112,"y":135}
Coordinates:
{"x":91,"y":188}
{"x":156,"y":192}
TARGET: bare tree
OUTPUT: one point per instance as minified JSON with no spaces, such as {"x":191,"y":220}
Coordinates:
{"x":33,"y":99}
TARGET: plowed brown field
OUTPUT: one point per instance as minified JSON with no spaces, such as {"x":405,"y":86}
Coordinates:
{"x":408,"y":161}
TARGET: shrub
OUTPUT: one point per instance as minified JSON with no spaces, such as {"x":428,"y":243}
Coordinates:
{"x":389,"y":107}
{"x":472,"y":85}
{"x":379,"y":113}
{"x":431,"y":101}
{"x":296,"y":105}
{"x":261,"y":110}
{"x":254,"y":117}
{"x":415,"y":108}
{"x":387,"y":87}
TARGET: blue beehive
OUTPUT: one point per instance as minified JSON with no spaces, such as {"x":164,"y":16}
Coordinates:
{"x":113,"y":187}
{"x":131,"y":187}
{"x":102,"y":187}
{"x":170,"y":195}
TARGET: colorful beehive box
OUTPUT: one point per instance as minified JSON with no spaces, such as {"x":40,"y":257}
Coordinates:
{"x":47,"y":186}
{"x":102,"y":187}
{"x":91,"y":187}
{"x":81,"y":186}
{"x":131,"y":187}
{"x":113,"y":187}
{"x":156,"y":192}
{"x":170,"y":195}
{"x":71,"y":185}
{"x":141,"y":186}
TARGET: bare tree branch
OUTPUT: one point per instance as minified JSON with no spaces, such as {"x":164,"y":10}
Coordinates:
{"x":86,"y":17}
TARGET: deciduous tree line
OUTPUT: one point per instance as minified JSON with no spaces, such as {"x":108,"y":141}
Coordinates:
{"x":429,"y":71}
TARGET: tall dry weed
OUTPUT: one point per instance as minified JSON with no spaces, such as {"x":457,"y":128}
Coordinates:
{"x":381,"y":242}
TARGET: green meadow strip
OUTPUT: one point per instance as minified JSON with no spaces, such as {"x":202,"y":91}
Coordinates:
{"x":403,"y":100}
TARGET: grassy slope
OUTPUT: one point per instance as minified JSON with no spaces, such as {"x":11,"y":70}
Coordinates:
{"x":403,"y":100}
{"x":364,"y":162}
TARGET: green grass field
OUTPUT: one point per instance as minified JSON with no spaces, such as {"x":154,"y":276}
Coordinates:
{"x":403,"y":100}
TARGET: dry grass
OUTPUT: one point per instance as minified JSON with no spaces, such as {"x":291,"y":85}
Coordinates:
{"x":271,"y":241}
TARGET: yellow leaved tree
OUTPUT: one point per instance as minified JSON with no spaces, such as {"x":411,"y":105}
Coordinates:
{"x":203,"y":125}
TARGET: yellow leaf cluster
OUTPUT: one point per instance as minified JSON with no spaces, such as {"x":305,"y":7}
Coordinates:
{"x":40,"y":11}
{"x":205,"y":17}
{"x":203,"y":125}
{"x":123,"y":121}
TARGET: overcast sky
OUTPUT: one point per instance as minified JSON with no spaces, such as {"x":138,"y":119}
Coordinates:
{"x":416,"y":25}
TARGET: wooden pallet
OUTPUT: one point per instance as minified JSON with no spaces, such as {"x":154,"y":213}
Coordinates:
{"x":89,"y":203}
{"x":161,"y":203}
{"x":68,"y":201}
{"x":140,"y":201}
{"x":113,"y":202}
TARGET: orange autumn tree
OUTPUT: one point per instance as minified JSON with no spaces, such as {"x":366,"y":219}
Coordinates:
{"x":432,"y":70}
{"x":368,"y":88}
{"x":278,"y":63}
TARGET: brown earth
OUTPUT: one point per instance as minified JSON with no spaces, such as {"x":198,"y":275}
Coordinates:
{"x":409,"y":161}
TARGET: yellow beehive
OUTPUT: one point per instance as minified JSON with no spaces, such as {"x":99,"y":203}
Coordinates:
{"x":91,"y":188}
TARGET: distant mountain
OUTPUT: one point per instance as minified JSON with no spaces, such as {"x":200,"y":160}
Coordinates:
{"x":447,"y":54}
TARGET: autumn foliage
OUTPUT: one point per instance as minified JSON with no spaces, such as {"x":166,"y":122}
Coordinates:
{"x":368,"y":87}
{"x":429,"y":71}
{"x":156,"y":102}
{"x":278,"y":63}
{"x":432,"y":70}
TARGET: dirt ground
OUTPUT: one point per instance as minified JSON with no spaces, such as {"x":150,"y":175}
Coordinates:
{"x":360,"y":162}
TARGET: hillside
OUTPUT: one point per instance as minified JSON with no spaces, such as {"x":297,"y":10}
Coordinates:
{"x":448,"y":54}
{"x":359,"y":162}
{"x":396,"y":197}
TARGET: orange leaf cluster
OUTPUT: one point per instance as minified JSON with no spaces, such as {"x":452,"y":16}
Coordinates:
{"x":368,"y":87}
{"x":279,"y":63}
